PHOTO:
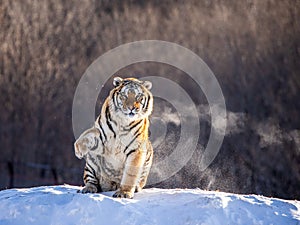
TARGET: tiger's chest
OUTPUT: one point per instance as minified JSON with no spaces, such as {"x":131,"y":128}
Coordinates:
{"x":123,"y":141}
{"x":115,"y":148}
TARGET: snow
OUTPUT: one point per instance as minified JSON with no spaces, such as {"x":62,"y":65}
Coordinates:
{"x":63,"y":205}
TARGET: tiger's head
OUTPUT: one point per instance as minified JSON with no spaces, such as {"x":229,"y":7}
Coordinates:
{"x":132,"y":98}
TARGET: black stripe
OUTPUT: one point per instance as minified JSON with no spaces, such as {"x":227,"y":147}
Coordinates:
{"x":90,"y":169}
{"x":93,"y":182}
{"x":132,"y":151}
{"x":147,"y":103}
{"x":132,"y":141}
{"x":115,"y":94}
{"x":98,"y":121}
{"x":130,"y":128}
{"x":91,"y":177}
{"x":135,"y":124}
{"x":88,"y":176}
{"x":138,"y":130}
{"x":149,"y":156}
{"x":101,"y":139}
{"x":125,"y":82}
{"x":131,"y":123}
{"x":108,"y":118}
{"x":102,"y":131}
{"x":96,"y":144}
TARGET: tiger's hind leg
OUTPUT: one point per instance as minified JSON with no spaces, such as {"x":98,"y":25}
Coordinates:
{"x":89,"y":188}
{"x":90,"y":180}
{"x":99,"y":184}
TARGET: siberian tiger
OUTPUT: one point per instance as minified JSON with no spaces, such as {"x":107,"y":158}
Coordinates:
{"x":116,"y":149}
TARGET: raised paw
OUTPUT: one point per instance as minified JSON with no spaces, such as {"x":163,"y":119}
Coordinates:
{"x":88,"y":189}
{"x":88,"y":141}
{"x":123,"y":194}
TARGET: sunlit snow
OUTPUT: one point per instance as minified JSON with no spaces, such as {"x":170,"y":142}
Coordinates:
{"x":63,"y":205}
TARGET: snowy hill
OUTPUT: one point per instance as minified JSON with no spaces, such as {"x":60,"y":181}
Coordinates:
{"x":62,"y":205}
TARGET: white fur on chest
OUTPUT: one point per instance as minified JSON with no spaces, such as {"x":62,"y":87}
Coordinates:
{"x":115,"y":147}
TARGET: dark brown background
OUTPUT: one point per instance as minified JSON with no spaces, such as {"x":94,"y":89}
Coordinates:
{"x":252,"y":47}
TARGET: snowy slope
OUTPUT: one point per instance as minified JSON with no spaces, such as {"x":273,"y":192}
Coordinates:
{"x":62,"y":205}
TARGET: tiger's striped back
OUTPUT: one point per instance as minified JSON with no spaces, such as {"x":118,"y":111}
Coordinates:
{"x":117,"y":150}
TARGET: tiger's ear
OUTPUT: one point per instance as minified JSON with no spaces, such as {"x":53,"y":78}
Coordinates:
{"x":117,"y":81}
{"x":147,"y":84}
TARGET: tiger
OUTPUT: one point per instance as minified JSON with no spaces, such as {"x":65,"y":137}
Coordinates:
{"x":117,"y":149}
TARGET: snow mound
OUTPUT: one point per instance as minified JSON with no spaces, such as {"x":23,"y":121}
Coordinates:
{"x":62,"y":205}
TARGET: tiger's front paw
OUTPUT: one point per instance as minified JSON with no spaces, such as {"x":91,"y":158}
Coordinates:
{"x":138,"y":189}
{"x":123,"y":194}
{"x":88,"y":189}
{"x":88,"y":141}
{"x":79,"y":152}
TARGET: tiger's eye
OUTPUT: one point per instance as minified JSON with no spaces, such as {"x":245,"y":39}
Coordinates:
{"x":123,"y":97}
{"x":140,"y":98}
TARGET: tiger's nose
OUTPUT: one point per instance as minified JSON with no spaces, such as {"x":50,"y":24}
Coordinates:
{"x":134,"y":106}
{"x":131,"y":108}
